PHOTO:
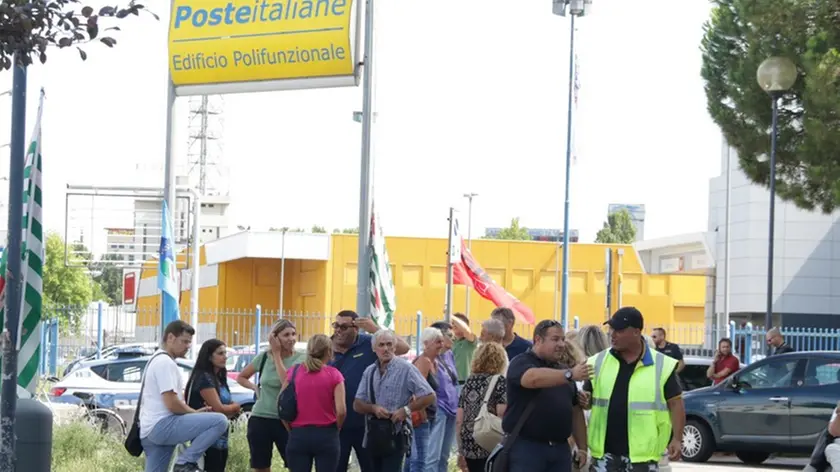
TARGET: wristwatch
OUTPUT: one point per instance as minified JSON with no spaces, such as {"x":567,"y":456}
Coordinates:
{"x":568,"y":375}
{"x":407,"y":411}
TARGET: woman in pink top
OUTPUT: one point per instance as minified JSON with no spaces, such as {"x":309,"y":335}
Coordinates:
{"x":321,"y":410}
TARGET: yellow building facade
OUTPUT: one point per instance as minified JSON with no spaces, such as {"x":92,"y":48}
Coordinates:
{"x":319,"y":272}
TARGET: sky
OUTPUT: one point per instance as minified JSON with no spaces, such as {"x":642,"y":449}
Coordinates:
{"x":471,"y":96}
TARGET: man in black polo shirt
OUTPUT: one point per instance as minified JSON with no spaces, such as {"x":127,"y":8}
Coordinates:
{"x":537,"y":376}
{"x":616,"y":444}
{"x":660,"y":339}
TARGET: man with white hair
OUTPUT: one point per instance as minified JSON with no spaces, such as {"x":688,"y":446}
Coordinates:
{"x":492,"y":331}
{"x":390,"y":390}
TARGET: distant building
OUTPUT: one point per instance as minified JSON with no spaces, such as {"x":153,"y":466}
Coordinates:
{"x":121,"y":242}
{"x":637,"y":216}
{"x":538,"y":234}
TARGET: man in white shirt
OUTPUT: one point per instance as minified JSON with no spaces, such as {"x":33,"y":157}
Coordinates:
{"x":165,"y":419}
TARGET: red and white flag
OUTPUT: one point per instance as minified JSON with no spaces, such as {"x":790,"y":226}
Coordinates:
{"x":468,"y":272}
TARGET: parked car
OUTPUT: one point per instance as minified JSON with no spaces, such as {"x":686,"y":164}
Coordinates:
{"x":778,"y":404}
{"x":110,"y":383}
{"x":239,"y":359}
{"x":111,"y":352}
{"x":694,"y":374}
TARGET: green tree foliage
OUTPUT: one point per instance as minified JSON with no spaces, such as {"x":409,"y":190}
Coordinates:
{"x":346,"y":231}
{"x":29,"y":28}
{"x":318,"y":229}
{"x":739,"y":35}
{"x":108,"y":276}
{"x":618,"y":229}
{"x":514,"y":232}
{"x":68,"y":290}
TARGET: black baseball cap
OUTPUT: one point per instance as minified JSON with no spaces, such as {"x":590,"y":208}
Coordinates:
{"x":626,"y":317}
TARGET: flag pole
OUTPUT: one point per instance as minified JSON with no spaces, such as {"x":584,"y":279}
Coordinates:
{"x":8,"y":398}
{"x":448,"y":314}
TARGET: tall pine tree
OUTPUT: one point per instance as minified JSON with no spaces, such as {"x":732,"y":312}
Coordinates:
{"x":739,"y":35}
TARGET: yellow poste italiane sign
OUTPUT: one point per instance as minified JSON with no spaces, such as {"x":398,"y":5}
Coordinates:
{"x":236,"y":41}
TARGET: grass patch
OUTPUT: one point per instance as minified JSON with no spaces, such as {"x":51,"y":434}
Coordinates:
{"x":79,"y":447}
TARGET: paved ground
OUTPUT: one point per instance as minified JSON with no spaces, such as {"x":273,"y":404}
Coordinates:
{"x":732,"y":464}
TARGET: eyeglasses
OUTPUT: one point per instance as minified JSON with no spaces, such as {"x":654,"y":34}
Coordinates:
{"x":341,"y":327}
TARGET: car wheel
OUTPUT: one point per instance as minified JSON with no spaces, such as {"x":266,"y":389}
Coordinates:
{"x":698,"y":442}
{"x":752,"y":457}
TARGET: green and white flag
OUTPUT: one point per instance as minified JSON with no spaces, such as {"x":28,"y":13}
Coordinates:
{"x":28,"y":342}
{"x":383,"y":298}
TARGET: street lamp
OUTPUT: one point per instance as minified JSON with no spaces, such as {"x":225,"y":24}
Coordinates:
{"x":776,"y":75}
{"x":469,"y":196}
{"x":574,"y":8}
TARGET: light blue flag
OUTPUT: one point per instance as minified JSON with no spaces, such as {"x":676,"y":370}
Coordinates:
{"x":167,"y":272}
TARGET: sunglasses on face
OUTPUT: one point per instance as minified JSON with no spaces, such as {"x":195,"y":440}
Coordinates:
{"x":342,"y":327}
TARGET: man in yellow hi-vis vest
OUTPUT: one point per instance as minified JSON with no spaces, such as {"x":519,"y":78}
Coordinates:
{"x":636,"y":401}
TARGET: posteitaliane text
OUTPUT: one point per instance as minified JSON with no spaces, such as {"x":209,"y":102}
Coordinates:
{"x":257,"y":57}
{"x":260,"y":11}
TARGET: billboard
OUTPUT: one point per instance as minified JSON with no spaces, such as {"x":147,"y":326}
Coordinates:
{"x":538,"y":234}
{"x":232,"y":46}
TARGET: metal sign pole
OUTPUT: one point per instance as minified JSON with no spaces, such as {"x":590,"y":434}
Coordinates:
{"x":8,"y":399}
{"x":448,"y":314}
{"x":363,"y":275}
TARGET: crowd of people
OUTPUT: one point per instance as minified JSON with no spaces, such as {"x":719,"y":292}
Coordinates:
{"x":561,"y":401}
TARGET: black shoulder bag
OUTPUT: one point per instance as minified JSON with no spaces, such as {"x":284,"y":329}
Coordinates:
{"x":287,"y":407}
{"x":499,"y":460}
{"x":384,"y":438}
{"x":132,"y":442}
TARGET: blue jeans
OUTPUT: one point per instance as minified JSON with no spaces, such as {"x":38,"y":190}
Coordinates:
{"x":419,"y":449}
{"x":202,"y":430}
{"x":530,"y":456}
{"x":440,"y":442}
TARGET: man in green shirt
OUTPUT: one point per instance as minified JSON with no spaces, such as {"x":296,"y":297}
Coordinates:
{"x":464,"y":347}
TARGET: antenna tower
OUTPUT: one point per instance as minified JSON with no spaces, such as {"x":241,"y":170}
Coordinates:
{"x":206,"y":167}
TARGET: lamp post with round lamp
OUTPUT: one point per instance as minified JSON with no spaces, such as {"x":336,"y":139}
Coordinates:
{"x":776,"y":75}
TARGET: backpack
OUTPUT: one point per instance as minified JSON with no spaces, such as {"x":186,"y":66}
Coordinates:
{"x":287,"y":400}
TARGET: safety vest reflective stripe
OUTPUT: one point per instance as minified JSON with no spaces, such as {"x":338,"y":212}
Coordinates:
{"x":644,"y":406}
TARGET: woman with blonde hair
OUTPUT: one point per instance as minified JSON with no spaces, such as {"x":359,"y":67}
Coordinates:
{"x":592,"y":340}
{"x":488,"y":367}
{"x":321,"y":410}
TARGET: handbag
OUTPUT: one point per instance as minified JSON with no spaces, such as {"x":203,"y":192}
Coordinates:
{"x":287,"y":408}
{"x":487,"y":428}
{"x":384,"y":438}
{"x":132,"y":443}
{"x":499,"y":460}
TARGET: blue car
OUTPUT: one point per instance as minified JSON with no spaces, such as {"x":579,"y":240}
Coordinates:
{"x":780,"y":404}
